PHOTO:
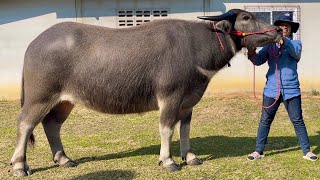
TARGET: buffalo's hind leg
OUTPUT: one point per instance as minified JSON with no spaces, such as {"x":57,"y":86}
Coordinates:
{"x":31,"y":115}
{"x":52,"y":125}
{"x":184,"y":132}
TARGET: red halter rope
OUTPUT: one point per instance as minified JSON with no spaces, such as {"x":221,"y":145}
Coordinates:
{"x":240,"y":34}
{"x":243,"y":34}
{"x":275,"y":57}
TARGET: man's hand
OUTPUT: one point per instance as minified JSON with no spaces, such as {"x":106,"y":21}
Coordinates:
{"x":282,"y":40}
{"x":252,"y":51}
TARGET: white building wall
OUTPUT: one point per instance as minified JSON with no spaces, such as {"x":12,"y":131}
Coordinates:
{"x":100,"y":12}
{"x":22,"y":21}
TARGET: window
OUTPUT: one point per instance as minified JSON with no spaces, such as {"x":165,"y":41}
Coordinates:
{"x":127,"y":18}
{"x":268,"y":14}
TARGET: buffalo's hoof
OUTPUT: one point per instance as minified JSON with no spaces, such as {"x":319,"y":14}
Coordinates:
{"x":69,"y":164}
{"x":194,"y":162}
{"x":171,"y":168}
{"x":21,"y":172}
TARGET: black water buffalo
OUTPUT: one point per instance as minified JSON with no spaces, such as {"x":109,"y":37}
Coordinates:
{"x":165,"y":65}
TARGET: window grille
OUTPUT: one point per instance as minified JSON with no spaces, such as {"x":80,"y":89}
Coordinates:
{"x":127,"y":18}
{"x":268,"y":14}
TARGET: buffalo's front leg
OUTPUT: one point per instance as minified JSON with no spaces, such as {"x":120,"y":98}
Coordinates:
{"x":165,"y":159}
{"x":184,"y":132}
{"x":169,"y":111}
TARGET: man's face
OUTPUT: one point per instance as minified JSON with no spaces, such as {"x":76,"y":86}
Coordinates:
{"x":286,"y":29}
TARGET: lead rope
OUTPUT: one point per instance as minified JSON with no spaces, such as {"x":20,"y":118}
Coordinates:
{"x":275,"y":57}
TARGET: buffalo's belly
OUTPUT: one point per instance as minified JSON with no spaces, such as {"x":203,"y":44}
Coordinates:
{"x":121,"y":107}
{"x":117,"y":102}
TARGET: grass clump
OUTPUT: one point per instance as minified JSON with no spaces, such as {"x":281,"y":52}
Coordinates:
{"x":315,"y":92}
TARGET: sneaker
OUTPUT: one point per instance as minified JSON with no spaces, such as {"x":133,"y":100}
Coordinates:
{"x":254,"y":156}
{"x":310,"y":156}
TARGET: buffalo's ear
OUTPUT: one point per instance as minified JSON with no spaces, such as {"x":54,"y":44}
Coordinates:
{"x":224,"y":26}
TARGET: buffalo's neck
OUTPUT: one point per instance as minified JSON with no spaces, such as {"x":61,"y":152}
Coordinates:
{"x":226,"y":47}
{"x":238,"y":42}
{"x":221,"y":47}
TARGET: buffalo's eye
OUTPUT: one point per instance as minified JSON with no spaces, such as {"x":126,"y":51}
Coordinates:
{"x":246,"y":17}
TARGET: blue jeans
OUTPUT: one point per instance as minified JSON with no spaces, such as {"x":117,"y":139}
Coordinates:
{"x":293,"y":107}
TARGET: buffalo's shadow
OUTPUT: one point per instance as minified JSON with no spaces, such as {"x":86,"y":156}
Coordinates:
{"x":214,"y":147}
{"x":210,"y":147}
{"x":116,"y":174}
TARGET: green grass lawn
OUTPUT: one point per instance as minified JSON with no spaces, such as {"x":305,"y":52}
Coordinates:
{"x":223,"y":133}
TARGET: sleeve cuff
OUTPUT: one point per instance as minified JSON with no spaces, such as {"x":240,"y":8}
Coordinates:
{"x":285,"y":44}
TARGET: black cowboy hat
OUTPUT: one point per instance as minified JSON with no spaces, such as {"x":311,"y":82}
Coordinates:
{"x":286,"y":18}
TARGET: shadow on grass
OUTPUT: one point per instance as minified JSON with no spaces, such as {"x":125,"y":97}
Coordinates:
{"x":43,"y":168}
{"x":213,"y":147}
{"x":116,"y":174}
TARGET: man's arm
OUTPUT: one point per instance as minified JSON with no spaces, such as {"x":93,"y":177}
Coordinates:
{"x":293,"y":47}
{"x":260,"y":58}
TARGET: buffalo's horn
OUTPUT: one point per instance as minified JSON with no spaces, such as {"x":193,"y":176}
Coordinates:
{"x":225,"y":16}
